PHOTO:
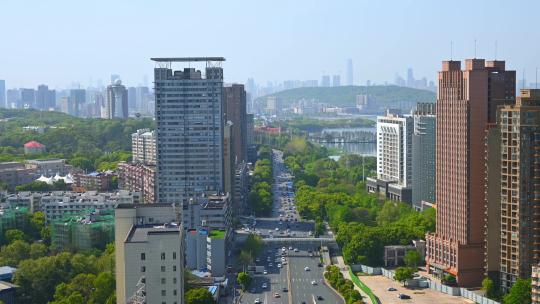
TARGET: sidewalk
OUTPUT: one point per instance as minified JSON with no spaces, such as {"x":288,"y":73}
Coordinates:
{"x":345,"y":271}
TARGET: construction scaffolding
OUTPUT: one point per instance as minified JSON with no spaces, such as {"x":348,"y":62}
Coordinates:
{"x":83,"y":232}
{"x":12,"y":218}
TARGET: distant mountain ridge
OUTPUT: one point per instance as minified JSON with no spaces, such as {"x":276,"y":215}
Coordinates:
{"x":346,"y":95}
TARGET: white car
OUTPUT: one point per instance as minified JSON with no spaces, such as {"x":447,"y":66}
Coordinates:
{"x":283,"y":249}
{"x":295,"y":249}
{"x":264,"y":286}
{"x":277,"y":229}
{"x":290,"y":248}
{"x":257,"y":301}
{"x":307,"y":268}
{"x":283,"y":259}
{"x":278,"y":265}
{"x":313,"y":282}
{"x":265,"y":272}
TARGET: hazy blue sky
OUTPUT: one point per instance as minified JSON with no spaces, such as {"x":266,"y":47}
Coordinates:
{"x":59,"y":42}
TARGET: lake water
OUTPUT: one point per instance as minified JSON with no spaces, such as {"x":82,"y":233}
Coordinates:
{"x":365,"y":149}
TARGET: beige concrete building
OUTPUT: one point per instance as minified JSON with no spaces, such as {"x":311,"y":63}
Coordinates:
{"x":149,"y":246}
{"x":535,"y":284}
{"x":520,"y":187}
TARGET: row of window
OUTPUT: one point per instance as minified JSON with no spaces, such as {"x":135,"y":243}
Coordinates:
{"x":163,"y":254}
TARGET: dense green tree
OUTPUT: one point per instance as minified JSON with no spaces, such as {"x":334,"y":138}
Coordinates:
{"x":244,"y":279}
{"x":520,"y":293}
{"x":402,"y":274}
{"x":15,"y":252}
{"x":14,"y":235}
{"x":412,"y":259}
{"x":199,"y":296}
{"x":488,"y":286}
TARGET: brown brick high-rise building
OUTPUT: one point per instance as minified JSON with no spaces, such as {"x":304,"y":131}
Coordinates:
{"x":467,"y":101}
{"x":235,"y":110}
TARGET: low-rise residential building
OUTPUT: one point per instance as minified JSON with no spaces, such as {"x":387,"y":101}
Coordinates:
{"x":149,"y":249}
{"x":95,"y":181}
{"x":14,"y":173}
{"x":51,"y":167}
{"x":139,"y":178}
{"x":83,"y":232}
{"x":143,"y":146}
{"x":209,"y":234}
{"x":394,"y":254}
{"x":34,"y":147}
{"x":12,"y":218}
{"x":58,"y":204}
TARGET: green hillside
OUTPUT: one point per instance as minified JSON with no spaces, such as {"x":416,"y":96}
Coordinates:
{"x":346,"y":95}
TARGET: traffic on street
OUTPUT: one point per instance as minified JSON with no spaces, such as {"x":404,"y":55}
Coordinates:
{"x":286,"y":272}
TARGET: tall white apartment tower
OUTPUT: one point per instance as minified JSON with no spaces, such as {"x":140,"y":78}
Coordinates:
{"x":189,"y":127}
{"x":394,"y":148}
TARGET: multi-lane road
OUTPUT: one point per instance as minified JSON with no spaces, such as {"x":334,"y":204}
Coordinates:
{"x":293,"y":273}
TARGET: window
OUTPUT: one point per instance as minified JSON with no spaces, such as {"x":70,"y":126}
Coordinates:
{"x":163,"y":292}
{"x":163,"y":255}
{"x":174,"y":292}
{"x":174,"y":280}
{"x":143,"y":269}
{"x":143,"y":256}
{"x":163,"y":281}
{"x":174,"y":268}
{"x":174,"y":255}
{"x":162,"y":268}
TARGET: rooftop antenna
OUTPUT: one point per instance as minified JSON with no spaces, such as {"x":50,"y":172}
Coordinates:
{"x":474,"y":48}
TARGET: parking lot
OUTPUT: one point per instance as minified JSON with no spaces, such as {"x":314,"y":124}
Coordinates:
{"x":380,"y":284}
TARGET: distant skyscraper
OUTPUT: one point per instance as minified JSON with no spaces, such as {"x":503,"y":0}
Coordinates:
{"x":45,"y":98}
{"x":325,"y":81}
{"x":410,"y":78}
{"x":423,"y":155}
{"x":114,"y":78}
{"x":141,"y":100}
{"x":13,"y":98}
{"x":350,"y":73}
{"x":189,"y":130}
{"x":336,"y":81}
{"x":132,"y":97}
{"x":117,"y":101}
{"x":28,"y":98}
{"x":77,"y":100}
{"x":3,"y":103}
{"x":466,"y":104}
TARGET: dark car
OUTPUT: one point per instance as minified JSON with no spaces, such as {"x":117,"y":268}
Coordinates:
{"x":320,"y":298}
{"x":285,"y":289}
{"x":403,"y":296}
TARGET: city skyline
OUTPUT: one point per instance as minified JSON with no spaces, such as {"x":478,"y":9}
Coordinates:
{"x":293,"y":47}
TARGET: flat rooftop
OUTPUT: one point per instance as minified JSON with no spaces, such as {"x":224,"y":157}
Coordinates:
{"x":140,"y":234}
{"x":187,"y":59}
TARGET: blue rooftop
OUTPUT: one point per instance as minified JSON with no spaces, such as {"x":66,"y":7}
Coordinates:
{"x":6,"y":273}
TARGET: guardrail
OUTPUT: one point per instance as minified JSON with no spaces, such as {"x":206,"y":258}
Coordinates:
{"x":364,"y":287}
